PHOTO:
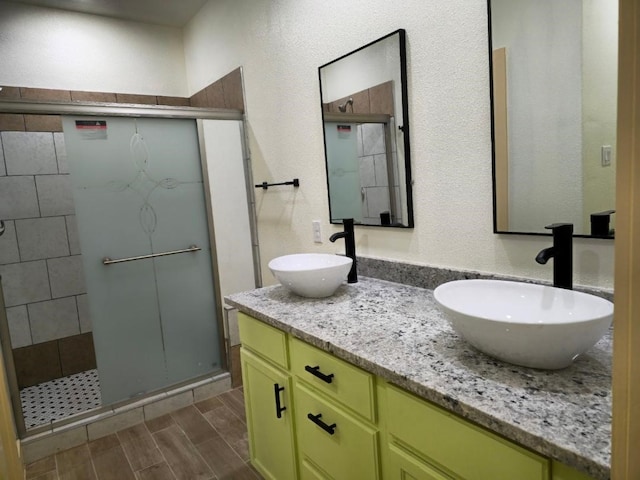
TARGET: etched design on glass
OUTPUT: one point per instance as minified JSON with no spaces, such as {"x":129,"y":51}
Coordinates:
{"x":143,"y":182}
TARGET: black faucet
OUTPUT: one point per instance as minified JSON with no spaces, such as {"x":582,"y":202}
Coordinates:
{"x":562,"y":253}
{"x":350,"y":247}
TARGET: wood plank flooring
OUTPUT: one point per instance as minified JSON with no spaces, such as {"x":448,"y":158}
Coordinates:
{"x":205,"y":441}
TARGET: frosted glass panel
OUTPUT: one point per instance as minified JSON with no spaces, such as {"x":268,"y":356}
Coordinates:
{"x":343,"y":171}
{"x":138,"y":191}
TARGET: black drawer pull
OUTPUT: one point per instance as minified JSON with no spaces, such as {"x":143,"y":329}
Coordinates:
{"x":276,"y":390}
{"x":330,"y":429}
{"x":315,"y":371}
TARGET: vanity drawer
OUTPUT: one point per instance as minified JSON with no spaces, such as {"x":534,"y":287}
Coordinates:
{"x":340,"y":380}
{"x":455,"y":445}
{"x":332,"y":443}
{"x":264,"y":339}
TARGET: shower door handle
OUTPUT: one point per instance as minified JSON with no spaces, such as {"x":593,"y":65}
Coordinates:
{"x":109,"y":261}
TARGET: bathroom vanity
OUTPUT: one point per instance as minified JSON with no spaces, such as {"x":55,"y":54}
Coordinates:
{"x":372,"y":383}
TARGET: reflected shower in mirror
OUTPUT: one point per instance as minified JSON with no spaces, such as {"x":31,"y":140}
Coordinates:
{"x":366,"y":134}
{"x":554,"y":91}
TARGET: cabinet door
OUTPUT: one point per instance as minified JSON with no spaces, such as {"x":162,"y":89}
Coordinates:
{"x":332,"y":443}
{"x":269,"y":418}
{"x":404,"y":466}
{"x":560,"y":471}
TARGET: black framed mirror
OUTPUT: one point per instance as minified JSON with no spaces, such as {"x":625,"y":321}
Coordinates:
{"x":366,"y":134}
{"x":554,"y":94}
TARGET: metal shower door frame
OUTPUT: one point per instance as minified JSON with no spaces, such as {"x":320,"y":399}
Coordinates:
{"x":136,"y":111}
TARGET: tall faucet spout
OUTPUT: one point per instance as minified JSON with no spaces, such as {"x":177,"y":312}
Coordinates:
{"x":544,"y":255}
{"x":350,"y":247}
{"x":562,"y":253}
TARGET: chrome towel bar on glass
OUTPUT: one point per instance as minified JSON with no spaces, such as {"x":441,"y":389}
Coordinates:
{"x":108,"y":261}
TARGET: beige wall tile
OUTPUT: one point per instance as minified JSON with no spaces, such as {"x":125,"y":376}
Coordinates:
{"x":199,"y":99}
{"x":3,"y":170}
{"x":61,"y":152}
{"x":112,"y":424}
{"x":25,"y":282}
{"x":9,"y":243}
{"x":234,"y":366}
{"x":55,"y":195}
{"x":18,"y":198}
{"x":232,"y":85}
{"x":211,"y":389}
{"x":29,"y":153}
{"x":84,"y":316}
{"x":53,"y":319}
{"x":173,"y":101}
{"x":43,"y":123}
{"x":40,"y":238}
{"x":72,"y":234}
{"x":101,"y":97}
{"x":11,"y":122}
{"x":381,"y":98}
{"x":215,"y":95}
{"x":48,"y":445}
{"x":45,"y":94}
{"x":168,"y":405}
{"x":136,"y":99}
{"x":19,"y":330}
{"x":66,"y":276}
{"x":10,"y":93}
{"x":37,"y":363}
{"x":77,"y":354}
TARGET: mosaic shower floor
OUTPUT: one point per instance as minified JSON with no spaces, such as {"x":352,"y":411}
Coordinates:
{"x":60,"y":398}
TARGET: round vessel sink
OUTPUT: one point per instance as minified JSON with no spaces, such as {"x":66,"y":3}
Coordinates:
{"x":525,"y":324}
{"x":312,"y":275}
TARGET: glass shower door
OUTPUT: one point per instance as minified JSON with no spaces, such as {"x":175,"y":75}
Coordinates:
{"x":343,"y":170}
{"x":139,"y":192}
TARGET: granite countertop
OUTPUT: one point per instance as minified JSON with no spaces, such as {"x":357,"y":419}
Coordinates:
{"x":398,"y":332}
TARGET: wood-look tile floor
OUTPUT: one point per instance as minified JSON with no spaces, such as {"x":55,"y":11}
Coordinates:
{"x":205,"y":441}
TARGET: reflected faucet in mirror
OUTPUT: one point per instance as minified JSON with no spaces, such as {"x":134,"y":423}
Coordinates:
{"x":600,"y":224}
{"x":350,"y":247}
{"x":562,"y":254}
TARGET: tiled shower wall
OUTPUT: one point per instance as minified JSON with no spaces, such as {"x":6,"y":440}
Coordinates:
{"x":40,"y":260}
{"x":374,"y":177}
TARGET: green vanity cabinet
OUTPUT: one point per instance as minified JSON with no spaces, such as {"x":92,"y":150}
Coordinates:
{"x":268,"y":400}
{"x":314,"y":416}
{"x":336,"y":433}
{"x":428,"y":442}
{"x":560,"y":471}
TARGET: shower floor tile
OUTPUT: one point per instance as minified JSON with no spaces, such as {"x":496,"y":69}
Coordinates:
{"x":60,"y":398}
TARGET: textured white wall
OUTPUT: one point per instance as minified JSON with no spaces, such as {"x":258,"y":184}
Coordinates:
{"x":599,"y":95}
{"x":48,"y":48}
{"x":543,"y":39}
{"x":280,"y":45}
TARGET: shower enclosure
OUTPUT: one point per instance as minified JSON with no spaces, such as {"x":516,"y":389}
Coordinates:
{"x":142,"y":224}
{"x":131,"y":241}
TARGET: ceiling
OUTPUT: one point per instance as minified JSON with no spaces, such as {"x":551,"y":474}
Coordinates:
{"x":174,"y":13}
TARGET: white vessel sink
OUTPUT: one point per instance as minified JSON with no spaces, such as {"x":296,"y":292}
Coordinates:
{"x":313,"y":275}
{"x":525,"y":324}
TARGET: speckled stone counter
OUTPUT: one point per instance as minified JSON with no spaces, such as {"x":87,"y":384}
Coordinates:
{"x":397,"y":332}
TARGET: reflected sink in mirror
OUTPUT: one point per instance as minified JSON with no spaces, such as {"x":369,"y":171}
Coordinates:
{"x":312,"y":275}
{"x":525,"y":324}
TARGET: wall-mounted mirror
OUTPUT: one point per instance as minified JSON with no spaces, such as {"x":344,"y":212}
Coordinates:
{"x":554,"y":90}
{"x":366,"y":134}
